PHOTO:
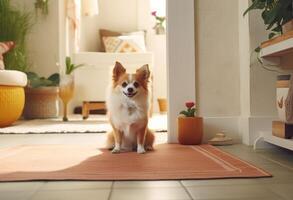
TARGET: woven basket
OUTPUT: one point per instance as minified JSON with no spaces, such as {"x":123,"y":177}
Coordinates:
{"x":41,"y":103}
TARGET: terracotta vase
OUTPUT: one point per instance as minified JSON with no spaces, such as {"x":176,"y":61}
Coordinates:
{"x":190,"y":130}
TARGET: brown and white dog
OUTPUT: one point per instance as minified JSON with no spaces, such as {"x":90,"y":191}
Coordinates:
{"x":128,"y":107}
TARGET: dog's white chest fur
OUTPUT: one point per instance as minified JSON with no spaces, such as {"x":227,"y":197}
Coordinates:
{"x":126,"y":116}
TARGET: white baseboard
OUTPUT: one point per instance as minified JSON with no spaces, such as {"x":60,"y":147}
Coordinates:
{"x":258,"y":124}
{"x":229,"y":125}
{"x":242,"y":129}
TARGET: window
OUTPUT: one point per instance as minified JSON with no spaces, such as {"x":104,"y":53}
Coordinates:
{"x":159,"y":6}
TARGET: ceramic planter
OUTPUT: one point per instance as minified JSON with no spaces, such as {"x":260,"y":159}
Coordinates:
{"x":11,"y":96}
{"x":190,"y":130}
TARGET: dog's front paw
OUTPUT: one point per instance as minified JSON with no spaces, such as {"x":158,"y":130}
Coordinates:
{"x":116,"y":150}
{"x":140,"y":149}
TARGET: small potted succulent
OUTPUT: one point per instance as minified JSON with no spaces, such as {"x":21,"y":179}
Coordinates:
{"x":190,"y":126}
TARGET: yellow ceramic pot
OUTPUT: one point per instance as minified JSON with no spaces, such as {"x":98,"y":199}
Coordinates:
{"x":11,"y":96}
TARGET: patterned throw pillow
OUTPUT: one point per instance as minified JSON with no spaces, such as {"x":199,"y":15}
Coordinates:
{"x":124,"y":44}
{"x":4,"y":47}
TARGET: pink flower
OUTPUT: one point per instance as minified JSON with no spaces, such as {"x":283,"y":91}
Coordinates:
{"x":154,"y":13}
{"x":189,"y":104}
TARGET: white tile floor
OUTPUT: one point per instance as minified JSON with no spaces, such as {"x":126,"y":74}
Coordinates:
{"x":277,"y":161}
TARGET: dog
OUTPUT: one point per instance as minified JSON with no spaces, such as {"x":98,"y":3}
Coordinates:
{"x":127,"y":104}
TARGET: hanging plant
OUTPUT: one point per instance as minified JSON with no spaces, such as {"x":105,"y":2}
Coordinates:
{"x":275,"y":13}
{"x":43,"y":6}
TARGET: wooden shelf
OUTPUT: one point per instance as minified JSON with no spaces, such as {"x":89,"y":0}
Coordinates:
{"x":268,"y":137}
{"x":278,"y":51}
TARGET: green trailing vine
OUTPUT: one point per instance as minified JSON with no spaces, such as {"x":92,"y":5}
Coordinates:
{"x":43,"y":6}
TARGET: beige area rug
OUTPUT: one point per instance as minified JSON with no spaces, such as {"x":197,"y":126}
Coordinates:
{"x":77,"y":162}
{"x":94,"y":124}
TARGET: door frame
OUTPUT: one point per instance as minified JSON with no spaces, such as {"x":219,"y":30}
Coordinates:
{"x":180,"y":60}
{"x":181,"y":73}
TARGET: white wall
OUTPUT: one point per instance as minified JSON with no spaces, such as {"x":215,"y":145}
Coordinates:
{"x":114,"y":15}
{"x":232,"y":86}
{"x":43,"y":41}
{"x":218,"y":58}
{"x":180,"y":60}
{"x":263,"y":89}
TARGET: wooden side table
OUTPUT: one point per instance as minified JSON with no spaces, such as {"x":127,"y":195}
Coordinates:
{"x":87,"y":106}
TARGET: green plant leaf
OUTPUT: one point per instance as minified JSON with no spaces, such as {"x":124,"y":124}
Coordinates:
{"x":257,"y":4}
{"x":55,"y":79}
{"x":257,"y":49}
{"x":15,"y":25}
{"x":35,"y":81}
{"x":31,"y":75}
{"x":70,"y":67}
{"x":271,"y":35}
{"x":277,"y":29}
{"x":184,"y":113}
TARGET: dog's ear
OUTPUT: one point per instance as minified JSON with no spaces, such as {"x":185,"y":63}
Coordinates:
{"x":118,"y":71}
{"x":143,"y":73}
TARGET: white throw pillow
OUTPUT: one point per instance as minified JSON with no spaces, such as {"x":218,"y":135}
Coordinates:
{"x":124,"y":43}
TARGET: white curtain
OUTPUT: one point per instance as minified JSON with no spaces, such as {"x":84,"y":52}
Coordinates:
{"x":73,"y":15}
{"x":73,"y":26}
{"x":90,"y":7}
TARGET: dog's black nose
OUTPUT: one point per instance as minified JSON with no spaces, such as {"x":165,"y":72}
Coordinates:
{"x":130,"y":90}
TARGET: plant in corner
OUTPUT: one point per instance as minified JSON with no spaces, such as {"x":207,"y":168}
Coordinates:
{"x":15,"y":26}
{"x":41,"y":96}
{"x":66,"y":88}
{"x":276,"y":14}
{"x":190,"y":126}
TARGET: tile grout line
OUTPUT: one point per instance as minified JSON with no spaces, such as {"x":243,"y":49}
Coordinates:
{"x":276,"y":162}
{"x":37,"y":190}
{"x":111,"y":190}
{"x":186,"y":190}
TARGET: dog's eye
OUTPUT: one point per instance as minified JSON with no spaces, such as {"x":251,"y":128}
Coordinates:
{"x":136,"y":84}
{"x":124,"y":84}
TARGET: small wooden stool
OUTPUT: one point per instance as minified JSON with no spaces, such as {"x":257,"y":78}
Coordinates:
{"x":87,"y":106}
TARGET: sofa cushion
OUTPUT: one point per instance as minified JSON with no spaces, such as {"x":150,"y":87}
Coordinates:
{"x":109,"y":33}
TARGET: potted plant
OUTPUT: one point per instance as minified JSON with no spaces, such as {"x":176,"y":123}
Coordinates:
{"x":15,"y":26}
{"x":159,"y":27}
{"x":66,"y":87}
{"x":276,"y":14}
{"x":41,"y":96}
{"x":190,"y":127}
